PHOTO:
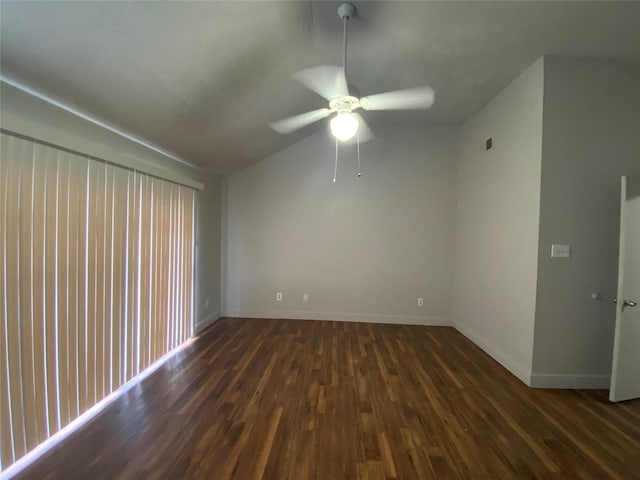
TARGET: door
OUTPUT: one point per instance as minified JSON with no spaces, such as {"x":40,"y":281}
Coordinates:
{"x":625,"y":374}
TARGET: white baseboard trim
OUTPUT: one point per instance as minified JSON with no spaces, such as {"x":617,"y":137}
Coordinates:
{"x":552,"y":380}
{"x":522,"y":373}
{"x":342,"y":317}
{"x":206,"y":321}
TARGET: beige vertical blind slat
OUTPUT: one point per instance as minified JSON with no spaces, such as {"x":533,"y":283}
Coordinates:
{"x":175,"y":279}
{"x":50,"y":208}
{"x":188,"y":260}
{"x":96,"y":284}
{"x":108,"y":282}
{"x":175,"y":257}
{"x":102,"y":278}
{"x":143,"y":274}
{"x":26,"y":302}
{"x":171,"y":268}
{"x":164,"y":234}
{"x":189,"y":245}
{"x":159,"y":313}
{"x":179,"y":266}
{"x":119,"y":269}
{"x":178,"y":221}
{"x":158,"y":317}
{"x":13,"y":296}
{"x":76,"y":259}
{"x":179,"y":262}
{"x":146,"y":273}
{"x":156,"y":267}
{"x":131,"y":343}
{"x":170,"y":278}
{"x":152,"y":268}
{"x":155,"y":260}
{"x":171,"y":282}
{"x":66,"y":283}
{"x":166,"y":279}
{"x":153,"y":272}
{"x":6,"y":450}
{"x":82,"y":176}
{"x":62,"y":287}
{"x":93,"y":285}
{"x":6,"y":437}
{"x":38,"y":289}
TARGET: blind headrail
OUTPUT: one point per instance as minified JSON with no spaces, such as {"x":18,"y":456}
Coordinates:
{"x":130,"y":163}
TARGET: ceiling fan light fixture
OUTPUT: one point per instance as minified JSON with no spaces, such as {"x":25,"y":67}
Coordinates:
{"x":344,"y":126}
{"x":330,"y":82}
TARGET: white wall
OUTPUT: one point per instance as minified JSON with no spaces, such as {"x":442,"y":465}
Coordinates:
{"x":362,"y":248}
{"x":208,"y":253}
{"x":31,"y":116}
{"x":591,"y":137}
{"x":497,"y":223}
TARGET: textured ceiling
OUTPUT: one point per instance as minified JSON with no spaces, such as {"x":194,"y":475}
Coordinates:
{"x":203,"y":79}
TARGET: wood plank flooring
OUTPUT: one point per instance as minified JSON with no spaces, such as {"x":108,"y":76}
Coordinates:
{"x":279,"y":399}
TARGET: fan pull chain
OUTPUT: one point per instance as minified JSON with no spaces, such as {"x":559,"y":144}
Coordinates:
{"x":358,"y":147}
{"x":335,"y":168}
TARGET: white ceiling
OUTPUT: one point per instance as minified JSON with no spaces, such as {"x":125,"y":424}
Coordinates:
{"x":203,"y":79}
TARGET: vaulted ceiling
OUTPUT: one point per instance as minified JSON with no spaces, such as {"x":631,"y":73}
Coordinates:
{"x":203,"y":79}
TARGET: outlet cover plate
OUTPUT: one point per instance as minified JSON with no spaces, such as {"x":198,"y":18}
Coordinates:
{"x":560,"y":251}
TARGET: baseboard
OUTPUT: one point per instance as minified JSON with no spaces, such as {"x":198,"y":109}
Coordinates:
{"x":206,"y":321}
{"x":552,"y":380}
{"x":522,"y":373}
{"x":342,"y":317}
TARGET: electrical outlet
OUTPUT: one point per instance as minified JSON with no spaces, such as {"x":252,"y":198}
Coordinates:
{"x":206,"y":303}
{"x":305,"y":297}
{"x":279,"y":297}
{"x":421,"y":302}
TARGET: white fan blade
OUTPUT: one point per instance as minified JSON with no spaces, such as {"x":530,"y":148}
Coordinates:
{"x":411,"y":98}
{"x":364,"y":132}
{"x":327,"y":81}
{"x":291,"y":124}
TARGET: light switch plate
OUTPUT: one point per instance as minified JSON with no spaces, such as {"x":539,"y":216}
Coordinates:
{"x":560,"y":251}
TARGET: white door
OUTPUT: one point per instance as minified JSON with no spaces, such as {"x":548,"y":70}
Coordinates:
{"x":625,"y":374}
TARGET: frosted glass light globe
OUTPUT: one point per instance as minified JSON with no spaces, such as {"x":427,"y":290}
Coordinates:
{"x":344,"y":126}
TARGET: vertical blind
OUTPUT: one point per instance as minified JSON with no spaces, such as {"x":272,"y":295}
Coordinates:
{"x":96,"y":284}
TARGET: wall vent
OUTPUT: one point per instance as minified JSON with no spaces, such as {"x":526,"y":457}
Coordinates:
{"x":488,"y":143}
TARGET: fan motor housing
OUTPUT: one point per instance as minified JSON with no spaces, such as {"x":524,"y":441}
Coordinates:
{"x":344,"y":104}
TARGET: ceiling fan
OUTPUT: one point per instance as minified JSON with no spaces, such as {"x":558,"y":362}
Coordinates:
{"x":330,"y":82}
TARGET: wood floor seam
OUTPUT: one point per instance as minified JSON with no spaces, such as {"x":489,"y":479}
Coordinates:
{"x":287,"y":399}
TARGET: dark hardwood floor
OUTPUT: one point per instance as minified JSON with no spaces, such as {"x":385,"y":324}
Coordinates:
{"x":281,"y":399}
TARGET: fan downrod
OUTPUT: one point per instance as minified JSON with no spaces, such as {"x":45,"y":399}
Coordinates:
{"x":346,"y":10}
